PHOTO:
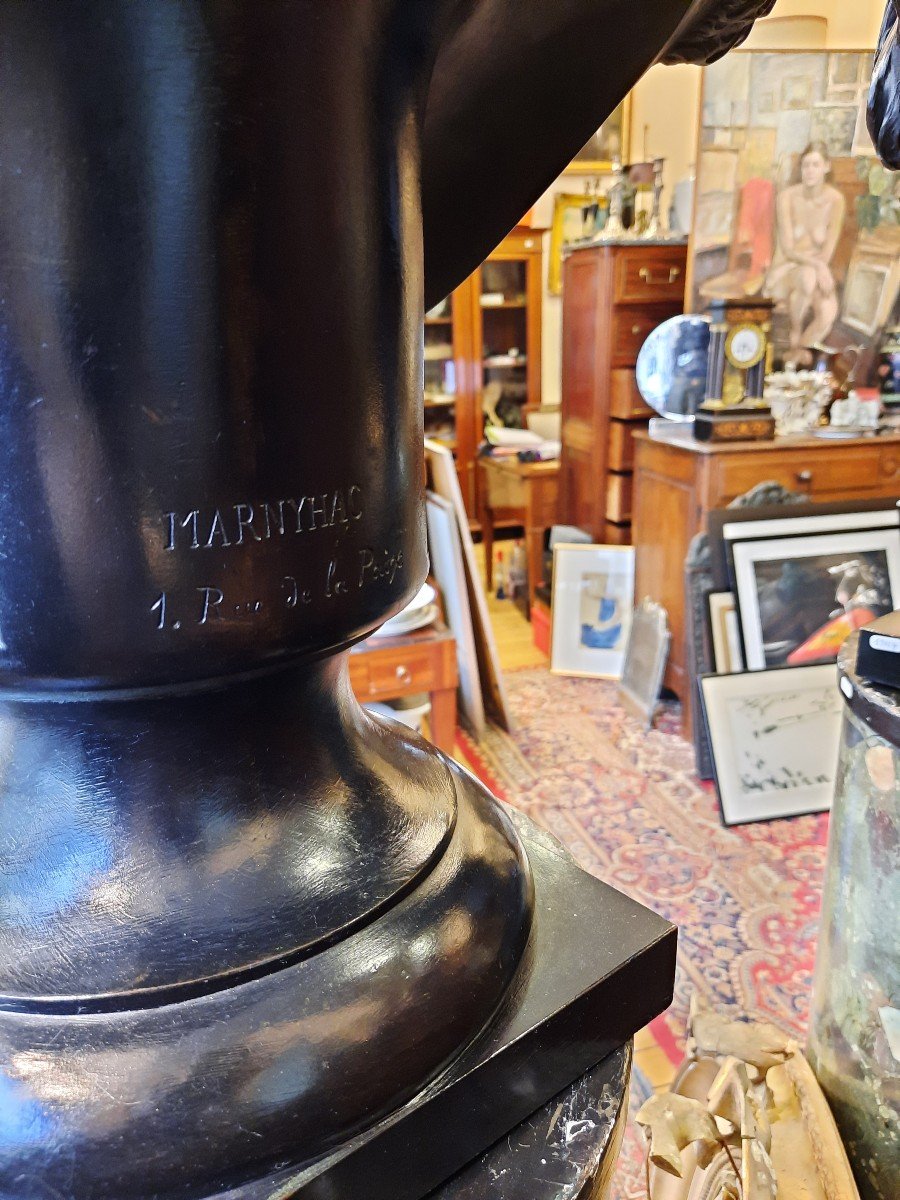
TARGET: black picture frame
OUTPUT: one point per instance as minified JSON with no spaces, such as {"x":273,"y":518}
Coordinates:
{"x":721,"y":563}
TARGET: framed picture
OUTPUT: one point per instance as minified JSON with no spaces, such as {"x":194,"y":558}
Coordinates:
{"x":611,"y":141}
{"x":568,"y":226}
{"x":777,"y":127}
{"x":792,"y":516}
{"x":445,"y":553}
{"x":774,"y":738}
{"x":724,"y":633}
{"x":593,"y":597}
{"x":645,"y":660}
{"x":872,"y":285}
{"x":800,"y":597}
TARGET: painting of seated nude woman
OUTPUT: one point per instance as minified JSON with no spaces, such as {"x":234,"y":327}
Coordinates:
{"x":809,"y":217}
{"x":791,"y":203}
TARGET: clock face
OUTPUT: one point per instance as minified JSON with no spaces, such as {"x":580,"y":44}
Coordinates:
{"x":745,"y":346}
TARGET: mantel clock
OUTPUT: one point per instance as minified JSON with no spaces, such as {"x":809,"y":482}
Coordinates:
{"x":739,"y":351}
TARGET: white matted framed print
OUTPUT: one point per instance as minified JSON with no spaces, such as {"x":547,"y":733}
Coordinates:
{"x":774,"y":738}
{"x":593,"y":598}
{"x":799,"y":598}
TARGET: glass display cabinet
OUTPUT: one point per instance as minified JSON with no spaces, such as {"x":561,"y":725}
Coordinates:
{"x":483,"y":353}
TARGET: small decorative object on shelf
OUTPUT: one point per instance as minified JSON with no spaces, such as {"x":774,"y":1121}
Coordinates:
{"x":798,"y":399}
{"x":655,"y":228}
{"x":734,"y":408}
{"x":619,"y":194}
{"x":854,"y":1044}
{"x":672,"y":366}
{"x":857,"y":413}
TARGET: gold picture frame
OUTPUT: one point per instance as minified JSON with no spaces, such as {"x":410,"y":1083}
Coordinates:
{"x":563,"y":230}
{"x":612,"y":140}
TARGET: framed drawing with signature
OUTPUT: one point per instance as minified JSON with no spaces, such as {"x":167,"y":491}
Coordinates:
{"x":774,"y":737}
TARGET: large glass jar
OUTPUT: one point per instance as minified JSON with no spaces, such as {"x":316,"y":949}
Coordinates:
{"x":854,"y":1043}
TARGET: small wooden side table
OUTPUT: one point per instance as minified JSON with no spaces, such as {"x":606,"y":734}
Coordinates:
{"x":526,"y":493}
{"x":386,"y":668}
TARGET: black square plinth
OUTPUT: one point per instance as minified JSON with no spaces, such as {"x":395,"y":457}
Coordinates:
{"x":600,"y":966}
{"x":565,"y":1150}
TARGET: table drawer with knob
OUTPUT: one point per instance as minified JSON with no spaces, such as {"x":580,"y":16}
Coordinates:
{"x":404,"y":670}
{"x":631,"y":328}
{"x":854,"y":471}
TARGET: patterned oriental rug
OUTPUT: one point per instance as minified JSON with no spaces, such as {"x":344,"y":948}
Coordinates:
{"x":630,"y":809}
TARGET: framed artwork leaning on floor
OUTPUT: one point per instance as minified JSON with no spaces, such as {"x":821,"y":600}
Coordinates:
{"x":724,"y":634}
{"x":800,"y":597}
{"x":593,"y":599}
{"x":774,"y":737}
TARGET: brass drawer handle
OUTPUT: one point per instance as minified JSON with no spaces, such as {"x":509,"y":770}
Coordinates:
{"x":647,"y":275}
{"x":404,"y":675}
{"x":635,"y":329}
{"x":804,"y":476}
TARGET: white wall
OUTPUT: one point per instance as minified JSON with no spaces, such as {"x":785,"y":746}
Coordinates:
{"x":664,"y":117}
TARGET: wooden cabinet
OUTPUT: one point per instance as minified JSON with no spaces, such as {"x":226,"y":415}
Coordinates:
{"x":614,"y":296}
{"x":483,"y":346}
{"x":677,"y":482}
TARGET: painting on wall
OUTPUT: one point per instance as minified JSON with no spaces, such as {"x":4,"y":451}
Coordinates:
{"x":791,"y":203}
{"x":609,"y":143}
{"x":568,"y":226}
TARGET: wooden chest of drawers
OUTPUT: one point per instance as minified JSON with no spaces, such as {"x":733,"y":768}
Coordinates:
{"x":614,"y":296}
{"x":676,"y":483}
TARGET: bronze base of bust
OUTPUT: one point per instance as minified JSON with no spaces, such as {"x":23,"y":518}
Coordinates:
{"x":247,"y":931}
{"x":292,"y":946}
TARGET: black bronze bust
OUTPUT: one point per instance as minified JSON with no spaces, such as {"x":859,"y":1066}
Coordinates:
{"x":243,"y":925}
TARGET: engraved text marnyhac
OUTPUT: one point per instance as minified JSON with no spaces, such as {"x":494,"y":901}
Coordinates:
{"x":237,"y":524}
